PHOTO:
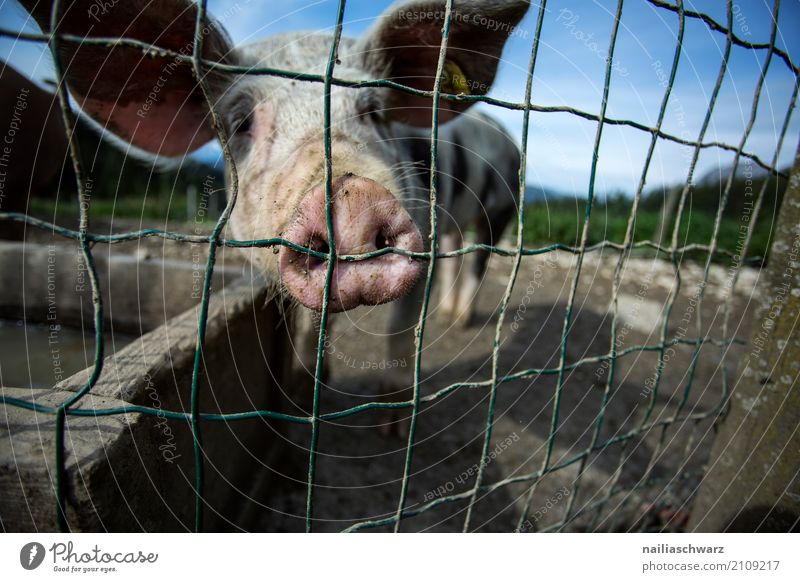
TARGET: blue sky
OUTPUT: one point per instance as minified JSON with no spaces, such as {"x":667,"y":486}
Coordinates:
{"x":570,"y":71}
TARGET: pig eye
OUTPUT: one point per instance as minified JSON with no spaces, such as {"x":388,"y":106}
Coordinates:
{"x":376,"y":116}
{"x":370,"y":107}
{"x":242,"y":125}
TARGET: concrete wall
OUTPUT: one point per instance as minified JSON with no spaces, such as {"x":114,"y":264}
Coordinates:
{"x":139,"y":294}
{"x":752,"y":483}
{"x":136,"y":472}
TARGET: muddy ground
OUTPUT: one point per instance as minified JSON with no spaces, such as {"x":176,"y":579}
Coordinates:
{"x":359,"y":471}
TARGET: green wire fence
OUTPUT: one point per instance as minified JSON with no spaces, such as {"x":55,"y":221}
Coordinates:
{"x":674,"y":251}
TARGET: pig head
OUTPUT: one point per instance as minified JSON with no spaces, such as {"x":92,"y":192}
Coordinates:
{"x":273,"y":125}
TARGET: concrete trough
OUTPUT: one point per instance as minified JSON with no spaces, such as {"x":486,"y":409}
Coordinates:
{"x":135,"y":472}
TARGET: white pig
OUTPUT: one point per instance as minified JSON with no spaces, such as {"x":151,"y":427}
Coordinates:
{"x":274,"y":129}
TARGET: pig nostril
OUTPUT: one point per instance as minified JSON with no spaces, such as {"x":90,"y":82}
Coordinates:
{"x":384,"y":240}
{"x":321,"y":247}
{"x":315,"y":243}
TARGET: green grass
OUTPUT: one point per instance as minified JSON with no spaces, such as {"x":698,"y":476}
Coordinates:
{"x":557,"y":221}
{"x":562,"y":221}
{"x":151,"y":209}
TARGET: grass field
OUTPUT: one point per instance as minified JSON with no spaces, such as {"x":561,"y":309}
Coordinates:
{"x":546,"y":222}
{"x":152,"y":209}
{"x":562,"y":221}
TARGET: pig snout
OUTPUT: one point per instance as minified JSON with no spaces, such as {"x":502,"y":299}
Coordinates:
{"x":366,"y":217}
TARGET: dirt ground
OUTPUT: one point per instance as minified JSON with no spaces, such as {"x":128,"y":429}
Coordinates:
{"x":359,"y":472}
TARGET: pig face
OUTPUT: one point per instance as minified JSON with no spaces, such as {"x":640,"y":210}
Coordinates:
{"x":274,"y":125}
{"x":275,"y":128}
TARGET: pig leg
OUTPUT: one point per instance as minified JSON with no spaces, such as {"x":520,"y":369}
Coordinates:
{"x":469,"y":284}
{"x":305,"y":339}
{"x":489,"y":233}
{"x":397,"y":383}
{"x":447,"y":280}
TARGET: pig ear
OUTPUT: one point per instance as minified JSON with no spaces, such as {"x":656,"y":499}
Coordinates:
{"x":155,"y":103}
{"x":404,"y":46}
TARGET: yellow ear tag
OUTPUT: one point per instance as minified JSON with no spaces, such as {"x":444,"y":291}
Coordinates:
{"x":453,"y":79}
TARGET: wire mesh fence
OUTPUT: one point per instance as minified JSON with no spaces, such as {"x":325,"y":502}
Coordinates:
{"x":672,"y":251}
